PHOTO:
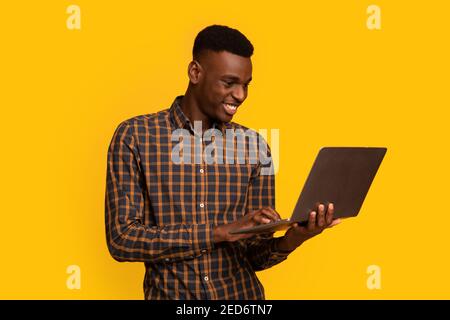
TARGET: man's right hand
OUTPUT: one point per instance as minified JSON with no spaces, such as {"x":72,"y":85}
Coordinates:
{"x":261,"y":216}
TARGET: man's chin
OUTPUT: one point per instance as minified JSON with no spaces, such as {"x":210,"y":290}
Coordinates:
{"x":225,"y":118}
{"x":222,"y":117}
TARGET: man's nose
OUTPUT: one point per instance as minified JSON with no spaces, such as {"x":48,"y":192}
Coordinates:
{"x":239,"y":93}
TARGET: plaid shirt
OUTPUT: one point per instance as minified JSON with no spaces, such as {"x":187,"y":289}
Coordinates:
{"x":162,"y":213}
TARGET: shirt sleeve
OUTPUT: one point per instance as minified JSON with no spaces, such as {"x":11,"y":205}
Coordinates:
{"x":127,"y":238}
{"x":262,"y":249}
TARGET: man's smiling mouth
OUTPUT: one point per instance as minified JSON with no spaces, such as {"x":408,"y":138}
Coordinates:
{"x":230,"y":108}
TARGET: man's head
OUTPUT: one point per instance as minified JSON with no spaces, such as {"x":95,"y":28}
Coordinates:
{"x":220,"y":71}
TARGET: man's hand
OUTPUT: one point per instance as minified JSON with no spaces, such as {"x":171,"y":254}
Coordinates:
{"x":317,"y":222}
{"x":261,"y":216}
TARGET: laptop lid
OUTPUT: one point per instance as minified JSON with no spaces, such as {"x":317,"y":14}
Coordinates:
{"x":339,"y":175}
{"x":342,"y":176}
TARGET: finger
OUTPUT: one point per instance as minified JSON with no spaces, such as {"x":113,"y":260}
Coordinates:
{"x":330,"y":213}
{"x":312,"y":221}
{"x":269,"y":213}
{"x":261,"y":219}
{"x":293,"y":226}
{"x":297,"y":231}
{"x":335,"y":222}
{"x":296,"y":228}
{"x":321,"y":216}
{"x":275,"y":212}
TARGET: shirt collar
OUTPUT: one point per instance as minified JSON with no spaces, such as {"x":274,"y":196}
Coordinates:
{"x":180,"y":120}
{"x":177,"y":117}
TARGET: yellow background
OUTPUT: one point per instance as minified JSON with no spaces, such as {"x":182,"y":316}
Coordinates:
{"x":320,"y":77}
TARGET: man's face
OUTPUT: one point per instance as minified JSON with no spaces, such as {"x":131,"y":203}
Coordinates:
{"x":222,"y":84}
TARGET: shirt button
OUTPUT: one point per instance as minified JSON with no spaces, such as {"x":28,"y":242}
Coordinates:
{"x":167,"y":259}
{"x":203,"y":251}
{"x":202,"y":171}
{"x":202,"y":205}
{"x":206,"y":278}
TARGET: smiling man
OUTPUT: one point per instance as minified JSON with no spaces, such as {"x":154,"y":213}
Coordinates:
{"x":176,"y":217}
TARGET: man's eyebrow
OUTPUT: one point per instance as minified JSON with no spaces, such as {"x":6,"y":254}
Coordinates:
{"x":235,"y":78}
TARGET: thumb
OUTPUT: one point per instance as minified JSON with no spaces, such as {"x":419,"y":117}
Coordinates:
{"x":335,"y":222}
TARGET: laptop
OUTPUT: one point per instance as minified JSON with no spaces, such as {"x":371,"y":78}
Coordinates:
{"x":339,"y":175}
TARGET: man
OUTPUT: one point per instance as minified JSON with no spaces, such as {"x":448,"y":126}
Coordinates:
{"x":176,"y":216}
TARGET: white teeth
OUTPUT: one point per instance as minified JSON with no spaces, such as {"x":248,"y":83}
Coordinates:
{"x":230,"y":106}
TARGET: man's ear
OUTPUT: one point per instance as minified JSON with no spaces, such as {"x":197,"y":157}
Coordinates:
{"x":195,"y":71}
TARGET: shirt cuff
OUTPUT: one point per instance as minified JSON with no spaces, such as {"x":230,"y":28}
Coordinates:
{"x":277,"y":252}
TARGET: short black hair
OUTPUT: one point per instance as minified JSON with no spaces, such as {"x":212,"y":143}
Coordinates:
{"x":222,"y":38}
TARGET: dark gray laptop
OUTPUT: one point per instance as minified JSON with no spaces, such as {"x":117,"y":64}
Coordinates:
{"x":340,"y":175}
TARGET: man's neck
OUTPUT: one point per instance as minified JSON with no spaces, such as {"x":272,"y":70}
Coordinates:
{"x":191,"y":109}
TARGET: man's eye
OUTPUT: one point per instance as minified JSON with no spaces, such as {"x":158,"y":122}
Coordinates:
{"x":228,"y":84}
